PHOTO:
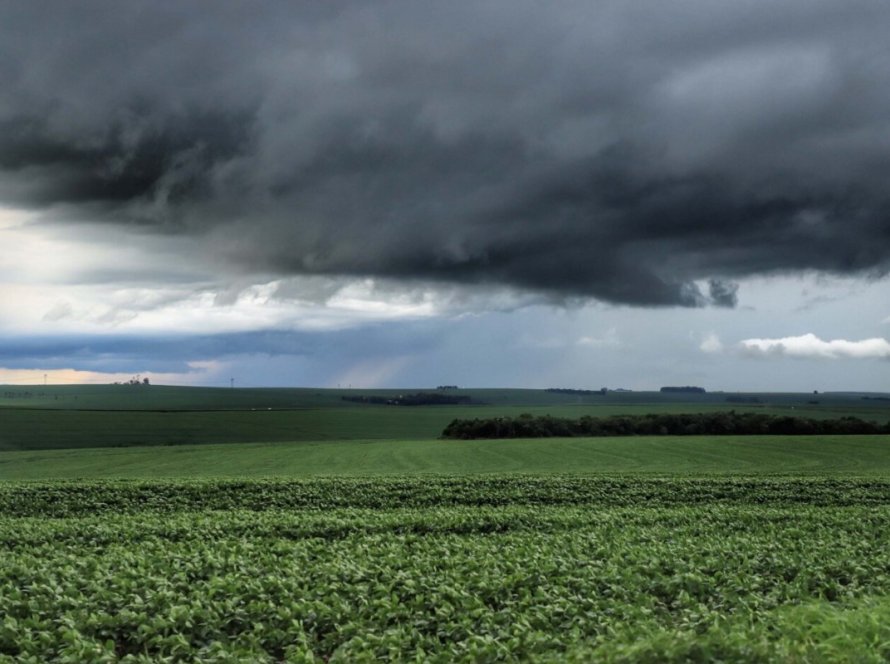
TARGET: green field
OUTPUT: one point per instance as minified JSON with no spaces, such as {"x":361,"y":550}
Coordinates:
{"x":118,"y":416}
{"x":666,"y":455}
{"x":479,"y":569}
{"x":29,"y":429}
{"x":195,"y":525}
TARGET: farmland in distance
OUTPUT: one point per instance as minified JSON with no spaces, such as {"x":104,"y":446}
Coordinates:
{"x":123,"y":415}
{"x":200,"y":526}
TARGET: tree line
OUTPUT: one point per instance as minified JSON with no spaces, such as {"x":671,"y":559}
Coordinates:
{"x":700,"y":424}
{"x":419,"y":399}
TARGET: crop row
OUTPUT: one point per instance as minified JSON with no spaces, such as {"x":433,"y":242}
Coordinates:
{"x":64,"y":499}
{"x":448,"y":584}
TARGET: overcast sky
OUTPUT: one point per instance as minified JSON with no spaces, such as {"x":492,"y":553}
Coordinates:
{"x":509,"y":193}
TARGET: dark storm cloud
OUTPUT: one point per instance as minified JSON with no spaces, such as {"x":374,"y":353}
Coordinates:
{"x":165,"y":162}
{"x":723,"y":294}
{"x":621,"y":151}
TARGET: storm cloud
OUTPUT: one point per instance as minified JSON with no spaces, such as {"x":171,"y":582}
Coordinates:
{"x":636,"y":153}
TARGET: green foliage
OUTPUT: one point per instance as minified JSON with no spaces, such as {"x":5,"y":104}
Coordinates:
{"x":75,"y":499}
{"x":446,"y":569}
{"x":429,"y":550}
{"x":661,"y":424}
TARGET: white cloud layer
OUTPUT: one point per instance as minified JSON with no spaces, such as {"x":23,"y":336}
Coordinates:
{"x":54,"y":281}
{"x":811,"y":346}
{"x":60,"y":283}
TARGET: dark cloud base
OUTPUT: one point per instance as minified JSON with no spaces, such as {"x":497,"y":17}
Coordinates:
{"x":578,"y":151}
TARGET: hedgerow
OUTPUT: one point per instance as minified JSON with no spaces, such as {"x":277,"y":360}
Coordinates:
{"x":659,"y":424}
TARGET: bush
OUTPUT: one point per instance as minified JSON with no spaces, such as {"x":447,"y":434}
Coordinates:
{"x":700,"y":424}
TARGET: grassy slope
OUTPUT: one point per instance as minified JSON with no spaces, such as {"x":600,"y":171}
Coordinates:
{"x":859,"y":455}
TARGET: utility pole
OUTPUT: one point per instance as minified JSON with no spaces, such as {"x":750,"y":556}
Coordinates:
{"x":232,"y":383}
{"x":44,"y":380}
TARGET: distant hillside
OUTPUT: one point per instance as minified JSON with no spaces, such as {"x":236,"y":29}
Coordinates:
{"x":175,"y":398}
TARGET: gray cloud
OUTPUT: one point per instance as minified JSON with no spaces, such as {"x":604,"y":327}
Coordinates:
{"x":610,"y":151}
{"x":173,"y":353}
{"x":723,"y":294}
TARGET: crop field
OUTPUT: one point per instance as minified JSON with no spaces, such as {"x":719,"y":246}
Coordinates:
{"x":662,"y":455}
{"x":118,"y":416}
{"x":24,"y":429}
{"x":499,"y":568}
{"x":166,"y":397}
{"x":205,"y":526}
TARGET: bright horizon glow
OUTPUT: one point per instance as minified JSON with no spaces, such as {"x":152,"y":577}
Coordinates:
{"x":50,"y":377}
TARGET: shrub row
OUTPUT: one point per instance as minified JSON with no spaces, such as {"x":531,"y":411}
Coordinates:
{"x":65,"y":499}
{"x":419,"y":399}
{"x":701,"y":424}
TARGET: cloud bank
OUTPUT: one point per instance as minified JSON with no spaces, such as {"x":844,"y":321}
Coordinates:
{"x":811,"y":346}
{"x":633,"y":153}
